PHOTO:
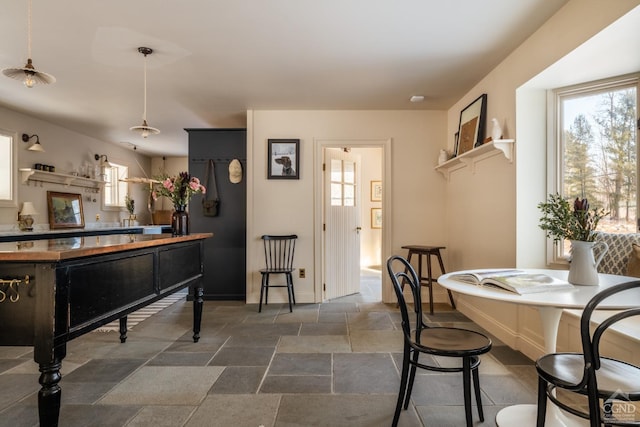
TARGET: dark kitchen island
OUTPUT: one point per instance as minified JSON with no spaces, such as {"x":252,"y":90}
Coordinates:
{"x":54,"y":290}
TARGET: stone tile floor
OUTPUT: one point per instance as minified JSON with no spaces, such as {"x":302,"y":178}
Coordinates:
{"x":332,"y":364}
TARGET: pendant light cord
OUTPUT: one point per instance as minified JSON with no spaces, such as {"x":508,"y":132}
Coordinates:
{"x":144,"y":113}
{"x":29,"y":31}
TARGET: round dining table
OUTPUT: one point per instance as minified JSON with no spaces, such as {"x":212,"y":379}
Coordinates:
{"x":550,"y":305}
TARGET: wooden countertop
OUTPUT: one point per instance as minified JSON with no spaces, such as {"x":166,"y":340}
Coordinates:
{"x":78,"y":247}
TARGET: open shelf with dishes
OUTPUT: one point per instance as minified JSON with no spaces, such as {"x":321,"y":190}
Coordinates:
{"x":471,"y":157}
{"x":35,"y":175}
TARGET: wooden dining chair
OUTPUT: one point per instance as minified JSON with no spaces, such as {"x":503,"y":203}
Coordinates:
{"x":419,"y":338}
{"x":278,"y":258}
{"x":609,"y":384}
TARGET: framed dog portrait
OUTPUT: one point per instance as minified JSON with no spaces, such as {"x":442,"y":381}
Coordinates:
{"x":284,"y":159}
{"x":65,"y":210}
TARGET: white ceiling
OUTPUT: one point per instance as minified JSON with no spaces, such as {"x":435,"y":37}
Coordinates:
{"x":215,"y":59}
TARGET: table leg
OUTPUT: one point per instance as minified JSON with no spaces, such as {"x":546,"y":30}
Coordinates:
{"x":123,"y":329}
{"x":198,"y":292}
{"x":525,"y":415}
{"x":50,"y":394}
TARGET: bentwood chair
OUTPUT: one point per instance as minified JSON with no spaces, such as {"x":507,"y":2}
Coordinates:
{"x":421,"y":338}
{"x":609,"y":384}
{"x":278,"y":256}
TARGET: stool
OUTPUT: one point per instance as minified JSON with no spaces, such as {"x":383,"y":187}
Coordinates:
{"x":427,"y":251}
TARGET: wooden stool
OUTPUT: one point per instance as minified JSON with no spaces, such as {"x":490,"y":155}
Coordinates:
{"x":427,"y":251}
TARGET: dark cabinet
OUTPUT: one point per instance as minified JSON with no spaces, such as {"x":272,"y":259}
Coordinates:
{"x":225,"y":253}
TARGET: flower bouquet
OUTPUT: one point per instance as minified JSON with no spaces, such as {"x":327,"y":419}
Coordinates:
{"x":179,"y":189}
{"x":561,"y":223}
{"x":578,"y":226}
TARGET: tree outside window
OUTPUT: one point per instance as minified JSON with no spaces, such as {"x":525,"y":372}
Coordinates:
{"x":599,"y":151}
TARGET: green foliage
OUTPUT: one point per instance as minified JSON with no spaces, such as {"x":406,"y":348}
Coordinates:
{"x":130,"y":204}
{"x":561,"y":222}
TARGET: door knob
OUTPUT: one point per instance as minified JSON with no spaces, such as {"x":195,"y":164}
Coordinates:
{"x":358,"y":229}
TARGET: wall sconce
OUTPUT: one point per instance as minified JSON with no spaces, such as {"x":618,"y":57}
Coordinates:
{"x":104,"y":163}
{"x":36,"y":146}
{"x":25,"y":220}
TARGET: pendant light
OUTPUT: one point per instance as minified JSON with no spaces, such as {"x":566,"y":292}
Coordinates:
{"x":145,"y":130}
{"x":28,"y":74}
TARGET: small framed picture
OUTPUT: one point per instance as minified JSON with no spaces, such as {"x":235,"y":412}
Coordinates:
{"x":376,"y":191}
{"x":65,"y":210}
{"x":376,"y":217}
{"x":284,"y":159}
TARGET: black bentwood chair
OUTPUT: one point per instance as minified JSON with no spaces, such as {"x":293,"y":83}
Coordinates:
{"x":615,"y":382}
{"x":278,"y":256}
{"x":434,"y":341}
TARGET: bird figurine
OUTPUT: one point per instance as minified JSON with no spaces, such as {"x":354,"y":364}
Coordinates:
{"x":496,"y":130}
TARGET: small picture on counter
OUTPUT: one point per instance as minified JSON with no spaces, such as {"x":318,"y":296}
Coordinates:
{"x":65,"y":210}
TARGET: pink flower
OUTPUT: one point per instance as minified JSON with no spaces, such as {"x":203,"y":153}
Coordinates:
{"x":194,"y":185}
{"x":168,"y":184}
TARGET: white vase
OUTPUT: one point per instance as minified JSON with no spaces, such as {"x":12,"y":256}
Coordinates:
{"x":443,"y":157}
{"x":583,"y":267}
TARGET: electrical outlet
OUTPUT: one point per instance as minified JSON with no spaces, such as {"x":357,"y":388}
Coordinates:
{"x":303,"y":273}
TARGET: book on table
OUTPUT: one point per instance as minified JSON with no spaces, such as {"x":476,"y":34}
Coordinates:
{"x":517,"y":281}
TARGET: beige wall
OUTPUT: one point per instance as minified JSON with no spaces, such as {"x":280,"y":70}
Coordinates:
{"x":283,"y":206}
{"x":67,"y":150}
{"x":171,"y":166}
{"x":492,"y":213}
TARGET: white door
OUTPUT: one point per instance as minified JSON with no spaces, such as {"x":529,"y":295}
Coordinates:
{"x":342,"y":223}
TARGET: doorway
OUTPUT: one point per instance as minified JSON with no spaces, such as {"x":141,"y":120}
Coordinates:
{"x":373,"y":241}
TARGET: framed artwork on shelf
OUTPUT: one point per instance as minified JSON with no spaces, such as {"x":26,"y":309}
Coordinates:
{"x":376,"y":217}
{"x":376,"y":191}
{"x":65,"y":210}
{"x":472,"y":125}
{"x":283,"y":157}
{"x":455,"y":146}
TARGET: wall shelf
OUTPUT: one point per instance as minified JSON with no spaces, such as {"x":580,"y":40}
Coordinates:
{"x":470,"y":158}
{"x":35,"y":175}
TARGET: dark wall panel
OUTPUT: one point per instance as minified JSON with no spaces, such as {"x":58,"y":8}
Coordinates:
{"x":225,"y":253}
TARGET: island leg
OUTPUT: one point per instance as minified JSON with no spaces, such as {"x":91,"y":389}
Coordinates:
{"x":198,"y":292}
{"x":50,"y":394}
{"x":123,"y":329}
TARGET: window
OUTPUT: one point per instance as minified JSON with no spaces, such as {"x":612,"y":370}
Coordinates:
{"x":343,"y":183}
{"x":115,"y":189}
{"x":8,"y":172}
{"x":596,"y":152}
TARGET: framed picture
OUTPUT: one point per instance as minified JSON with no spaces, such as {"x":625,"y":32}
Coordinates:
{"x":284,"y":159}
{"x":376,"y":191}
{"x":455,"y":146}
{"x":376,"y":217}
{"x":65,"y":210}
{"x":472,"y":124}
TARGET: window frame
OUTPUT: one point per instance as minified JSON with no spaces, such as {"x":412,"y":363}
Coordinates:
{"x":555,"y":146}
{"x":119,"y":186}
{"x":11,"y":175}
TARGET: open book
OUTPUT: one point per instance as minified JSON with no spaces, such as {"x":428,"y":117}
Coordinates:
{"x":517,"y":281}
